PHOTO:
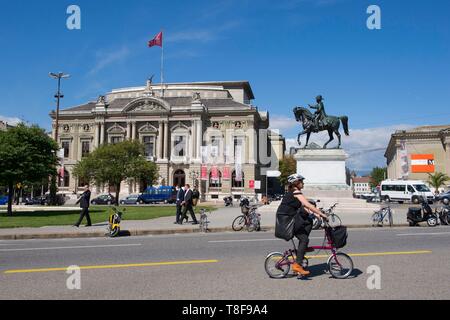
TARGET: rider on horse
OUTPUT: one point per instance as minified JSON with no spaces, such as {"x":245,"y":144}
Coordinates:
{"x":320,"y":114}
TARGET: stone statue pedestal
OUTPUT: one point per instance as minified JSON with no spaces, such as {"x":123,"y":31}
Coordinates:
{"x":323,"y":169}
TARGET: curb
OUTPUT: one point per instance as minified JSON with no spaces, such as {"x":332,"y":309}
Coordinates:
{"x":130,"y":233}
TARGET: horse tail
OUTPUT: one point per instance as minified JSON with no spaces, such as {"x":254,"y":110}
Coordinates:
{"x":344,"y":120}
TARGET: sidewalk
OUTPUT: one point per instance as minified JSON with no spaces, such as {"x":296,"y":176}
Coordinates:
{"x":220,"y":221}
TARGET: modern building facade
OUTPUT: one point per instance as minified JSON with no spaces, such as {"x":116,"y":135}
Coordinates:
{"x":413,"y":154}
{"x":203,"y":133}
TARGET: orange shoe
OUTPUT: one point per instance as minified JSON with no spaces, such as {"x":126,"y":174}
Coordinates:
{"x":299,"y":269}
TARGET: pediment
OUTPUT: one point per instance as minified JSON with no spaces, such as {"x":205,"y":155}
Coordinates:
{"x":116,"y":128}
{"x":147,"y":105}
{"x":147,"y":128}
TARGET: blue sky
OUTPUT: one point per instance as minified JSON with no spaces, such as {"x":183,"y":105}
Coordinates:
{"x":290,"y":51}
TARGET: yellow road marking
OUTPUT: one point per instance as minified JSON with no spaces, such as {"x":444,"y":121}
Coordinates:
{"x":115,"y":266}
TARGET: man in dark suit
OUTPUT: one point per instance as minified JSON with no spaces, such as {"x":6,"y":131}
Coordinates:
{"x":180,"y":199}
{"x":84,"y":202}
{"x":188,"y":204}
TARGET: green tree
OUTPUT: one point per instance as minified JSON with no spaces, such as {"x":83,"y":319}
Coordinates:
{"x":378,"y":174}
{"x":113,"y":163}
{"x":288,"y":166}
{"x":437,"y":180}
{"x":26,"y":154}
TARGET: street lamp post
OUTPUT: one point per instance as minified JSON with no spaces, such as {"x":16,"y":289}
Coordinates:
{"x":58,"y":96}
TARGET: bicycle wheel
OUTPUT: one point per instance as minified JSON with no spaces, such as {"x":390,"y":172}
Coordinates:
{"x":277,"y":265}
{"x":340,"y":265}
{"x":334,"y":221}
{"x":238,"y":223}
{"x":375,"y":218}
{"x":391,"y":219}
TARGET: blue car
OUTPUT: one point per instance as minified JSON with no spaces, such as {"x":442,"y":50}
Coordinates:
{"x":3,"y":200}
{"x":156,"y":195}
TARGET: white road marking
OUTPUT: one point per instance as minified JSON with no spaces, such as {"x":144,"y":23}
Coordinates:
{"x":253,"y":240}
{"x":75,"y":247}
{"x":423,"y":234}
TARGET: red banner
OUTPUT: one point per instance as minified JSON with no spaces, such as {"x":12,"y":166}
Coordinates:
{"x":251,"y":184}
{"x":204,"y":173}
{"x":214,"y":173}
{"x":226,"y":173}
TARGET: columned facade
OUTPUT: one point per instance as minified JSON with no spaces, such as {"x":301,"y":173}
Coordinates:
{"x":176,"y":130}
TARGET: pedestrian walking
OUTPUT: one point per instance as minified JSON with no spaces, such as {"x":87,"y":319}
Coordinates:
{"x":188,"y":204}
{"x":180,"y":199}
{"x":195,"y":196}
{"x":84,"y":202}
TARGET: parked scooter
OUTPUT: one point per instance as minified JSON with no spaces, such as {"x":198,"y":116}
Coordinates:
{"x":425,"y":213}
{"x":114,"y":222}
{"x":228,"y":201}
{"x":444,"y":215}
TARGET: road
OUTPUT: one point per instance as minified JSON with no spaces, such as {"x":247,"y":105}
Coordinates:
{"x":414,"y":264}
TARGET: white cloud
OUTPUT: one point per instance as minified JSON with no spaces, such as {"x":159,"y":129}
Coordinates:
{"x":10,"y":120}
{"x":104,"y":59}
{"x":283,"y":122}
{"x":366,"y":147}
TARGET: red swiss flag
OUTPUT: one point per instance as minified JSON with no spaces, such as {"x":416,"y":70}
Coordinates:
{"x":157,"y":41}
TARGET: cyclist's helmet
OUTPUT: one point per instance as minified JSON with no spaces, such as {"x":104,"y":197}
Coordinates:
{"x":295,"y":177}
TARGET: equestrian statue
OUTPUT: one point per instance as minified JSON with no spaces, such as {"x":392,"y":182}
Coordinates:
{"x":319,"y":121}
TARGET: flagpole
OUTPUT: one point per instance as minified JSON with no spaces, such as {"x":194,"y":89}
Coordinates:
{"x":162,"y":64}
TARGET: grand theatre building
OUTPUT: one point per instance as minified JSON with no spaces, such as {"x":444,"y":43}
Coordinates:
{"x":202,"y":133}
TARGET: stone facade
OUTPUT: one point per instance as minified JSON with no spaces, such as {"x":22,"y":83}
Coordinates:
{"x":175,"y":122}
{"x":434,"y":140}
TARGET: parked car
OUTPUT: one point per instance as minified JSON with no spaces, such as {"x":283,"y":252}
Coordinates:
{"x":3,"y":200}
{"x":35,"y":201}
{"x":107,"y":199}
{"x":156,"y":195}
{"x":443,"y":197}
{"x":131,"y":199}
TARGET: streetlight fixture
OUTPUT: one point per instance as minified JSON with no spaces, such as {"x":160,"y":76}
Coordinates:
{"x":58,"y":96}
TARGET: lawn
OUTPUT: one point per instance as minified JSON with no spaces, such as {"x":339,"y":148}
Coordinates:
{"x":98,"y":214}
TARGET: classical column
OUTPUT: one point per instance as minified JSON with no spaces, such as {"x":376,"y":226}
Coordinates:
{"x":133,"y":130}
{"x":252,"y":150}
{"x":129,"y":130}
{"x":102,"y":133}
{"x":199,"y":139}
{"x":97,"y":135}
{"x":166,"y":139}
{"x":160,"y":141}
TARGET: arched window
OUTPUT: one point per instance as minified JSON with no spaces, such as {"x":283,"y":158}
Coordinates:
{"x":63,"y":179}
{"x":235,"y":183}
{"x":215,"y":183}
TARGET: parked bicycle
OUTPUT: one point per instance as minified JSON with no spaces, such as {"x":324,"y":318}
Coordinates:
{"x":250,"y":219}
{"x":381,"y":216}
{"x":339,"y":264}
{"x":204,"y":222}
{"x":333,"y":219}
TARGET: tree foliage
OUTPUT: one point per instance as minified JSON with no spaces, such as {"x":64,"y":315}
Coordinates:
{"x":437,"y":180}
{"x":378,"y":175}
{"x":288,"y":166}
{"x":113,"y":163}
{"x":27,"y":154}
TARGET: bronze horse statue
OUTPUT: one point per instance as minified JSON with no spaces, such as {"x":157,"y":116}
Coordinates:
{"x":330,"y":124}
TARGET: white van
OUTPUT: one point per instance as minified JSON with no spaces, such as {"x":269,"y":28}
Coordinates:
{"x":405,"y":190}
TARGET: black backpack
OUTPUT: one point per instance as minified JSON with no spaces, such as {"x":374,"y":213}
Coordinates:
{"x":284,"y":226}
{"x":339,"y":236}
